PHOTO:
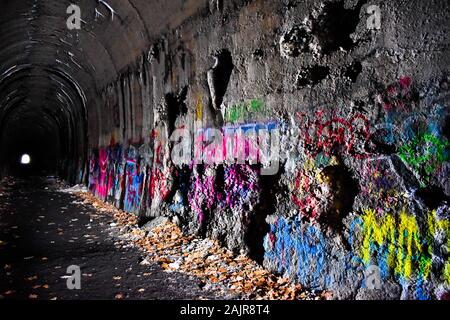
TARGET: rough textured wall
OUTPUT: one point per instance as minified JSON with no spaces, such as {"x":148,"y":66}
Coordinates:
{"x":359,"y":118}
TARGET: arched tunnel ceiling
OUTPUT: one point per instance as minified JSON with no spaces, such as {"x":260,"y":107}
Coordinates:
{"x":50,"y":75}
{"x":34,"y":33}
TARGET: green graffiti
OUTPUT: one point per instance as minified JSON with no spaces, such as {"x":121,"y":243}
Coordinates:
{"x":425,"y":153}
{"x":245,"y":111}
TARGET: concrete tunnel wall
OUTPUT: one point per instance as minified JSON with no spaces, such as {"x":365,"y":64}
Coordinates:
{"x":361,"y":117}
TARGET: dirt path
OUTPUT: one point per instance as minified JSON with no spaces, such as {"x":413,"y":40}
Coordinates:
{"x":43,"y":232}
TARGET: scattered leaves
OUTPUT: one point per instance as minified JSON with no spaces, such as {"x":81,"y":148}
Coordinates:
{"x":205,"y":259}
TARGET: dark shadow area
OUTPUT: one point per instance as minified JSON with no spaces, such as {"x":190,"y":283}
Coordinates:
{"x":33,"y":137}
{"x":258,"y":227}
{"x":432,"y":196}
{"x":335,"y":25}
{"x":344,"y":190}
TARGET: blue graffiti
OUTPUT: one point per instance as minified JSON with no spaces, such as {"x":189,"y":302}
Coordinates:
{"x":307,"y":245}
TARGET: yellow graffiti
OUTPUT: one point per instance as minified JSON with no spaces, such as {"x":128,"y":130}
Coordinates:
{"x":402,"y":238}
{"x":379,"y":233}
{"x":408,"y":233}
{"x":435,"y":225}
{"x":447,"y":272}
{"x":199,"y":109}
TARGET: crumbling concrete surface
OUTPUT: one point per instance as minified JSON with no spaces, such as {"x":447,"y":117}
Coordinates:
{"x":363,"y":118}
{"x":355,"y":97}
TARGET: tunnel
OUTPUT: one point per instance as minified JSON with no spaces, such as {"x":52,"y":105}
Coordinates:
{"x":310,"y":136}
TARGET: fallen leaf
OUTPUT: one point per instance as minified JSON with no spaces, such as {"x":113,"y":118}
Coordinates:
{"x":119,"y":296}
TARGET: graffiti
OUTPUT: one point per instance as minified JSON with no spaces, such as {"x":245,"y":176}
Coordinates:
{"x":380,"y":183}
{"x":199,"y":109}
{"x":307,"y":201}
{"x":397,"y":97}
{"x":241,"y":188}
{"x":119,"y":184}
{"x":425,"y":154}
{"x":114,"y":171}
{"x":336,"y":135}
{"x":134,"y":180}
{"x":231,"y":144}
{"x":102,"y":185}
{"x":202,"y":195}
{"x":160,"y":182}
{"x":447,"y":272}
{"x":398,"y":244}
{"x":222,"y":175}
{"x":245,"y":111}
{"x":297,"y":248}
{"x":93,"y":172}
{"x":325,"y":194}
{"x":395,"y":101}
{"x":287,"y":239}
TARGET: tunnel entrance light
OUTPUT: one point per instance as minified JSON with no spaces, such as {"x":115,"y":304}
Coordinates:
{"x":26,"y":159}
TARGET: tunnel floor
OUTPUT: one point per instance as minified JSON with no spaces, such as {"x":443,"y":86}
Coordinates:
{"x":43,"y":232}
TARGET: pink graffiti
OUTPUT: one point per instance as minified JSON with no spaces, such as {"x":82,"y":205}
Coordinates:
{"x":241,"y":187}
{"x":202,"y":195}
{"x":102,"y":181}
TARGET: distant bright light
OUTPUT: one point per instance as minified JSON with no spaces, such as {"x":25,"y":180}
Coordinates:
{"x":25,"y":159}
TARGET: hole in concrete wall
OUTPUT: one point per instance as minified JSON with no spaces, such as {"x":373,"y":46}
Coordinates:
{"x":335,"y":25}
{"x":258,"y":54}
{"x":258,"y":227}
{"x":219,"y":76}
{"x":154,"y":53}
{"x":176,"y":105}
{"x":289,"y":4}
{"x":295,"y":41}
{"x":343,"y":190}
{"x":220,"y":179}
{"x":446,"y":128}
{"x":380,"y":145}
{"x":352,"y":72}
{"x":433,"y":197}
{"x":311,"y":76}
